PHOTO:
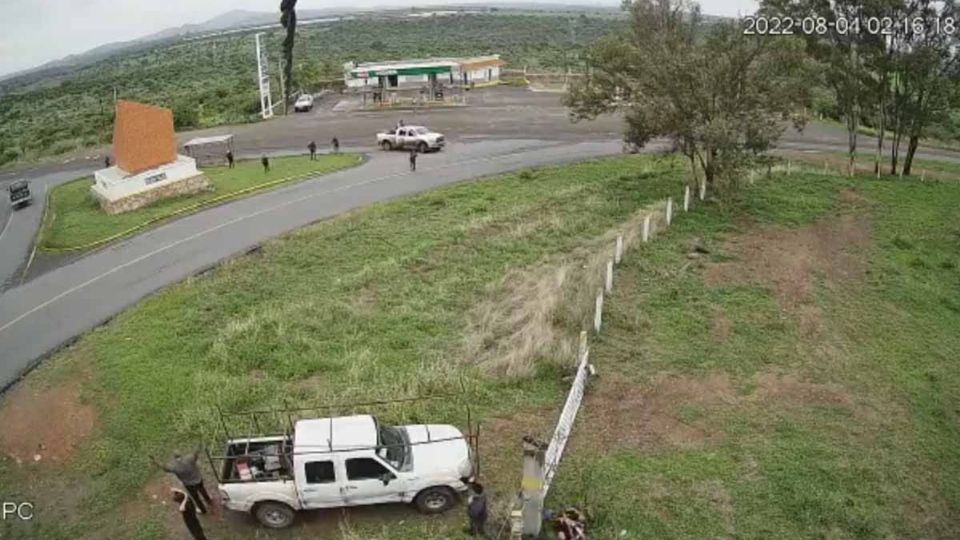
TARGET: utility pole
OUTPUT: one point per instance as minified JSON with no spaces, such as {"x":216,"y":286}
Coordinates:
{"x":531,"y":513}
{"x":283,"y":94}
{"x":263,"y":81}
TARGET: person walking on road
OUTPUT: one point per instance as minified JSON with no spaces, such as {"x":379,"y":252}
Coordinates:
{"x":186,"y":470}
{"x":230,"y":158}
{"x":312,"y":147}
{"x":266,"y":163}
{"x":188,"y":511}
{"x":336,"y":145}
{"x":413,"y":159}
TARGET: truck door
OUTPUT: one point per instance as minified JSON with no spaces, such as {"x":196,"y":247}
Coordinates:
{"x":365,"y":482}
{"x":318,"y":483}
{"x":401,"y":137}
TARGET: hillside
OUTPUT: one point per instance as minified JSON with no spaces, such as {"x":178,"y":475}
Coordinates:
{"x":210,"y":82}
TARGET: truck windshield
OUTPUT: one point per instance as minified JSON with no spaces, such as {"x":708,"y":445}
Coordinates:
{"x":393,"y":446}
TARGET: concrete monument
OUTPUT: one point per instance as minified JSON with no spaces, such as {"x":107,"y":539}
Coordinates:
{"x":147,"y":167}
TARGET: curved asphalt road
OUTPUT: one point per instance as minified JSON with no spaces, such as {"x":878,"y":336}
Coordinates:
{"x":40,"y":316}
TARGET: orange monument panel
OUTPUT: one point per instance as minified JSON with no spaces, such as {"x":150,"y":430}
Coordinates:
{"x":143,"y":137}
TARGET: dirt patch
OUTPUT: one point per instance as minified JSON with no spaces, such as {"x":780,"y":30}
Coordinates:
{"x":790,"y":390}
{"x":720,"y":326}
{"x":45,"y":425}
{"x":660,"y":414}
{"x":677,"y":411}
{"x":788,"y":260}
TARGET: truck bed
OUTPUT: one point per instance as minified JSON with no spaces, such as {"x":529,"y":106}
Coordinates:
{"x":268,"y":459}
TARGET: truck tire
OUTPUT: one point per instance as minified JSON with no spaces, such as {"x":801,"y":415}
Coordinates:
{"x":422,"y":147}
{"x":386,"y":145}
{"x":274,"y":515}
{"x":435,"y":500}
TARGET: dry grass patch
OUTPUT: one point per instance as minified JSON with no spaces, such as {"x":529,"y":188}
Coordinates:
{"x":536,"y":312}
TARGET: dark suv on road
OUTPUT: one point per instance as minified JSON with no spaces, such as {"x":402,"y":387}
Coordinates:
{"x":20,"y":194}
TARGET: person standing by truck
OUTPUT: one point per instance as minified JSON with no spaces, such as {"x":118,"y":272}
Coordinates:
{"x":186,"y":470}
{"x":230,"y":158}
{"x":188,"y":511}
{"x":477,"y":509}
{"x":413,"y":160}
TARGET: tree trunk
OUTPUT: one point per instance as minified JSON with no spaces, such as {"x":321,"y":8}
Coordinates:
{"x":911,"y":150}
{"x":852,"y":140}
{"x":883,"y":127}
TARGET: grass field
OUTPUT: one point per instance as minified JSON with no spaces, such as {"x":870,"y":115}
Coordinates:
{"x":378,"y":303}
{"x":74,"y":219}
{"x":798,"y":381}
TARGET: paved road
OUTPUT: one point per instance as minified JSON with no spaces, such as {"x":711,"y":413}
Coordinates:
{"x":39,"y":316}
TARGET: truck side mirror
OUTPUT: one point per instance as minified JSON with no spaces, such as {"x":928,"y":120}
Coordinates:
{"x":386,"y":478}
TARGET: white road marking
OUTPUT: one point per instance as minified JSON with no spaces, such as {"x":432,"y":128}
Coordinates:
{"x":220,"y":226}
{"x":7,"y":224}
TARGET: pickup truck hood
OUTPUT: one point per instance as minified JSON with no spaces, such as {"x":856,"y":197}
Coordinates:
{"x":449,"y":457}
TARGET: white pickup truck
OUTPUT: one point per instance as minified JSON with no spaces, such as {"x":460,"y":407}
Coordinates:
{"x":409,"y":138}
{"x":344,"y":461}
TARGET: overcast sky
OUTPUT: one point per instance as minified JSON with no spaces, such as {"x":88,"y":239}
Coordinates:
{"x":35,"y":31}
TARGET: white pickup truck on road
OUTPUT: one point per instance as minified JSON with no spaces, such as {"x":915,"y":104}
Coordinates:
{"x":344,"y":461}
{"x":409,"y":138}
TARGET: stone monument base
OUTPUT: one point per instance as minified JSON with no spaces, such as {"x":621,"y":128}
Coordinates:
{"x":118,"y":192}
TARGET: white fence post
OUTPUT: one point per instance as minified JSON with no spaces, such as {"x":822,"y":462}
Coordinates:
{"x":750,"y":177}
{"x":567,"y":417}
{"x":669,"y":210}
{"x":703,"y":189}
{"x":923,"y":175}
{"x":826,"y":169}
{"x":788,"y":167}
{"x":599,"y":311}
{"x":686,"y":199}
{"x":609,"y":281}
{"x":646,"y":228}
{"x":618,"y":252}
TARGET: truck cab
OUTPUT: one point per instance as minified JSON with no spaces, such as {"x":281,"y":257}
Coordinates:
{"x":345,"y":461}
{"x":20,"y":194}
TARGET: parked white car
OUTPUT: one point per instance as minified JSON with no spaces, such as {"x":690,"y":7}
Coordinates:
{"x":411,"y":137}
{"x":304,"y":103}
{"x":344,"y":461}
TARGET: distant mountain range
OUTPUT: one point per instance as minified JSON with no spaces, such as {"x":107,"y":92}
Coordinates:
{"x":240,"y":20}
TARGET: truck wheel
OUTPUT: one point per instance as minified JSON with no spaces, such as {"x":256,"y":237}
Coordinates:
{"x":386,"y":145}
{"x":274,"y":515}
{"x":422,"y":148}
{"x":435,"y":500}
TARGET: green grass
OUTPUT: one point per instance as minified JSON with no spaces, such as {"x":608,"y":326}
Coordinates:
{"x":376,"y":304}
{"x":883,"y":465}
{"x":367,"y":306}
{"x":74,"y":219}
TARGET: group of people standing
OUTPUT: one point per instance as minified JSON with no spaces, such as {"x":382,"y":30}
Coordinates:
{"x":265,"y":160}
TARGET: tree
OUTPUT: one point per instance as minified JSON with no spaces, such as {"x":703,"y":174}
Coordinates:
{"x":721,"y":96}
{"x":288,"y":18}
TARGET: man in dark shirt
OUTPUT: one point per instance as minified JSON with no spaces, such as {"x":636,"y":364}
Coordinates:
{"x":477,"y":509}
{"x":266,"y":164}
{"x":413,"y":159}
{"x":186,"y":470}
{"x":312,"y":147}
{"x":336,"y":145}
{"x":230,"y":158}
{"x":189,"y":514}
